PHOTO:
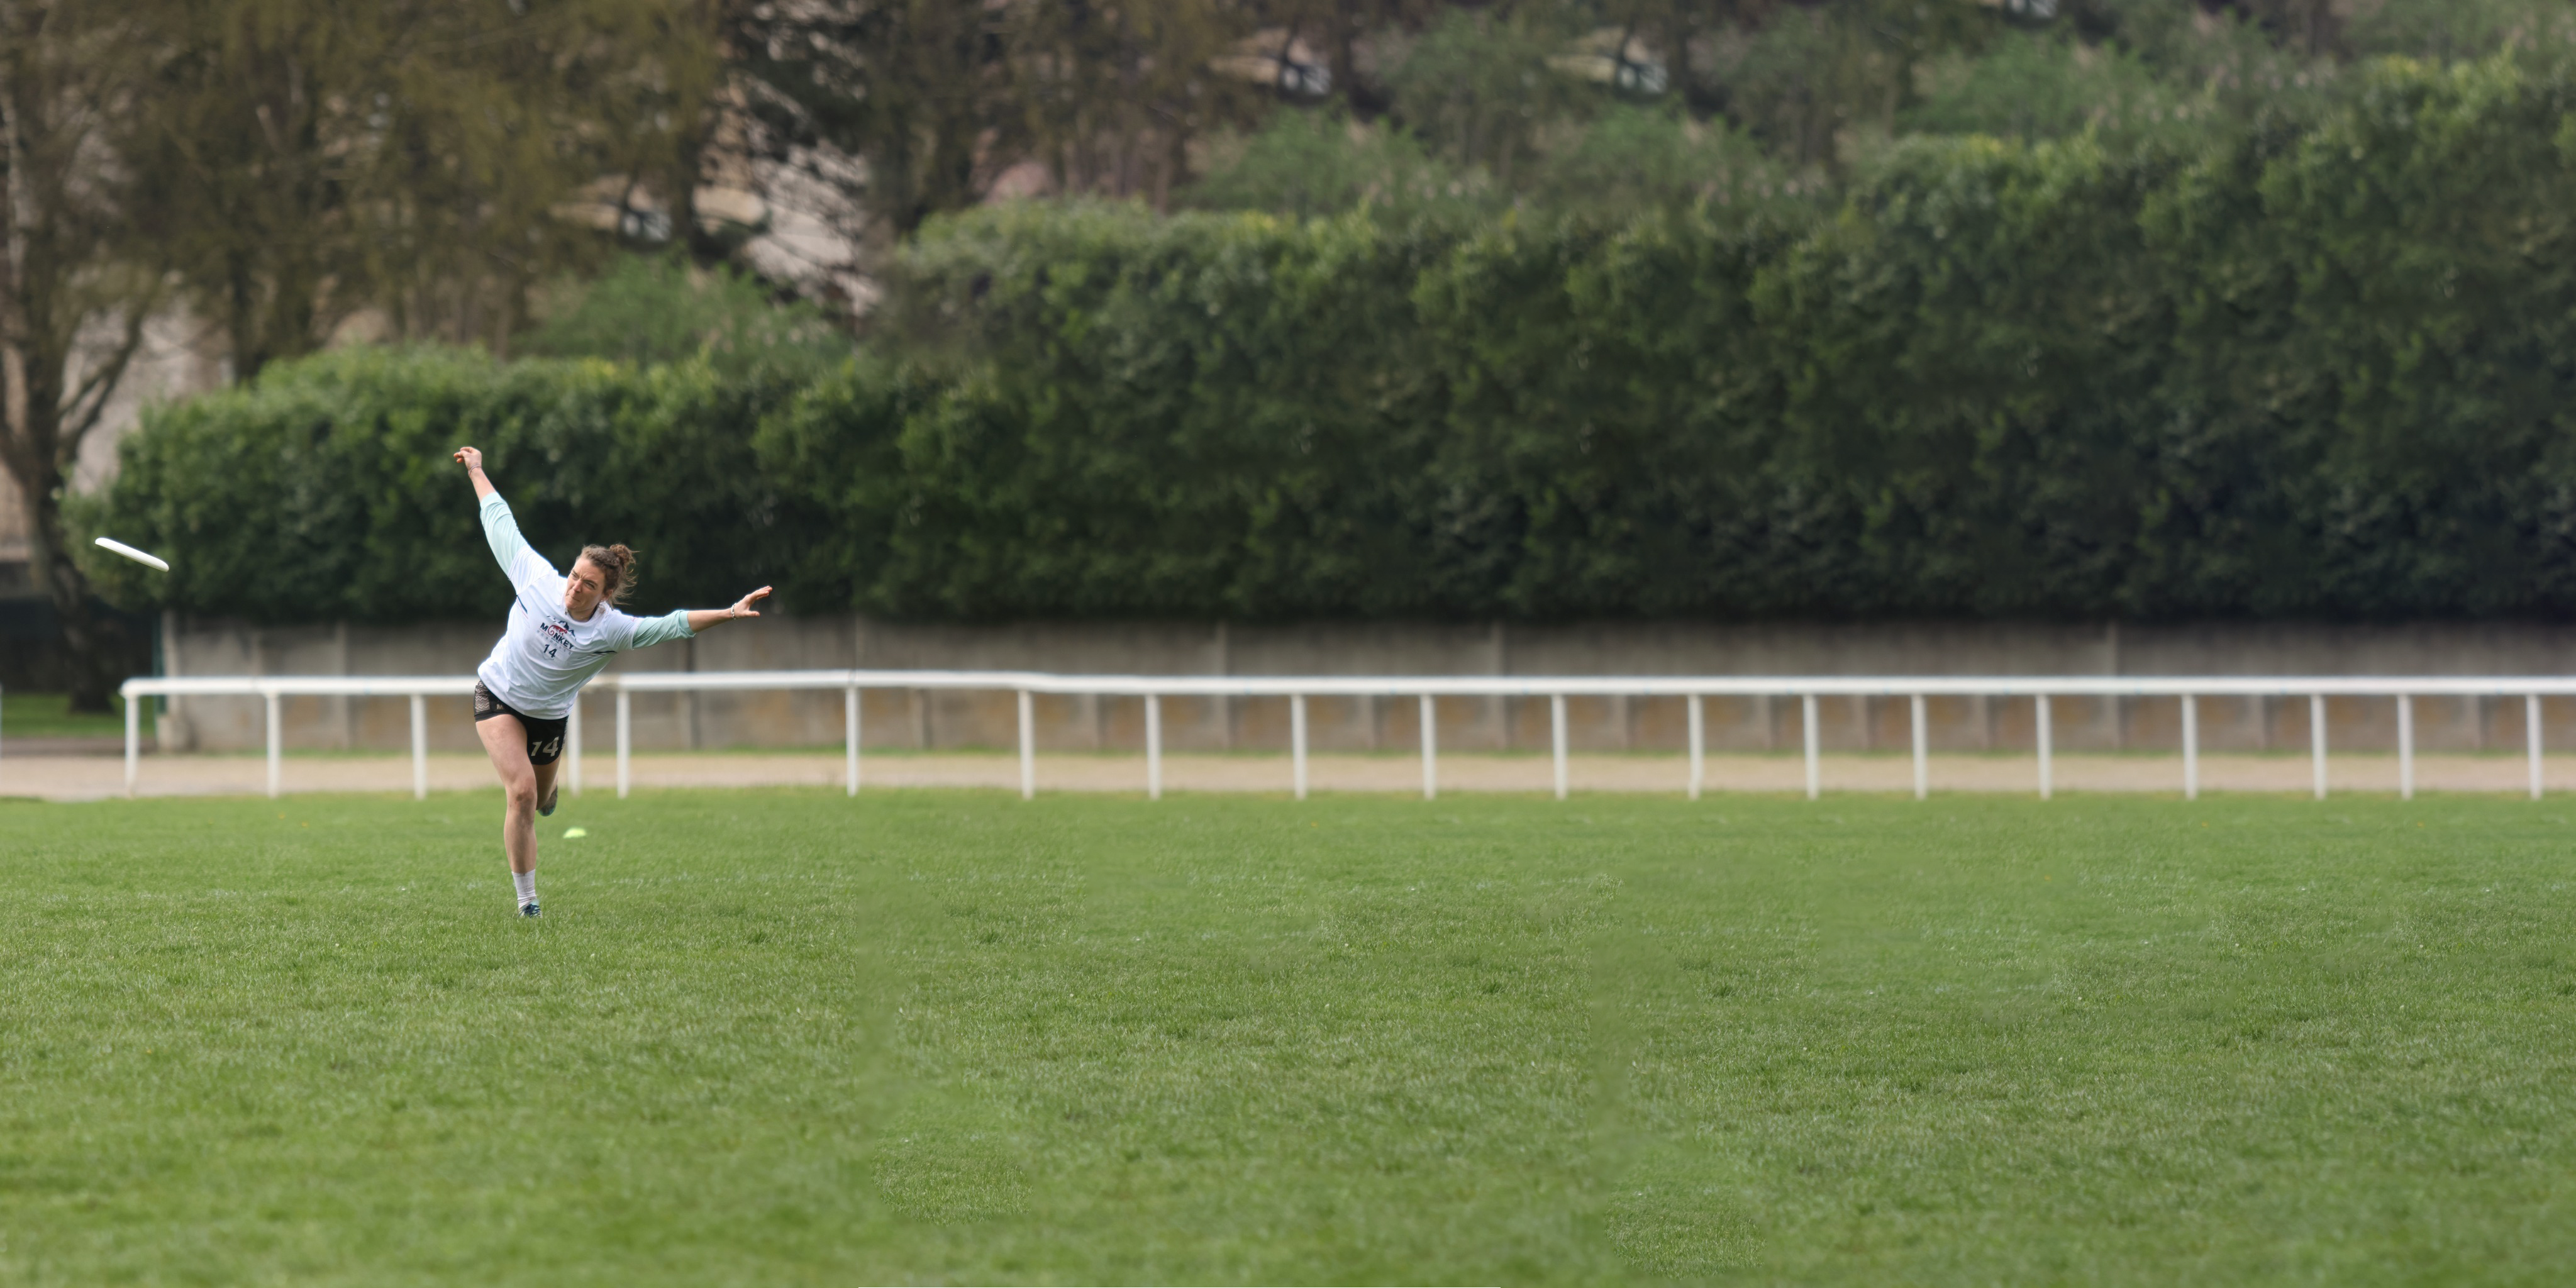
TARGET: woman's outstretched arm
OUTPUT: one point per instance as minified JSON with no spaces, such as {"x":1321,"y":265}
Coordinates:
{"x":682,"y":623}
{"x":516,"y":557}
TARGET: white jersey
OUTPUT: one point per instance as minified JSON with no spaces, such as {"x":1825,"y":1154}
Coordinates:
{"x":544,"y":656}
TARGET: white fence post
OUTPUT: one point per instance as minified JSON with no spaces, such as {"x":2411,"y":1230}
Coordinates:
{"x":1297,"y":740}
{"x":1922,"y":751}
{"x":1807,"y":722}
{"x":1430,"y":751}
{"x":850,"y":734}
{"x":2531,"y":735}
{"x":134,"y":743}
{"x":2040,"y":714}
{"x":2405,"y":747}
{"x":1698,"y":745}
{"x":420,"y":748}
{"x":273,"y":735}
{"x":572,"y":744}
{"x":625,"y":739}
{"x":2190,"y":748}
{"x":1153,"y":747}
{"x":2317,"y":739}
{"x":1028,"y":746}
{"x":1556,"y":739}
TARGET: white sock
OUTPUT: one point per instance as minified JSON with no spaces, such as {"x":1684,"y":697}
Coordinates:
{"x":527,"y":886}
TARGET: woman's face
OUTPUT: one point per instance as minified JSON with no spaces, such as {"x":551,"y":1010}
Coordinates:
{"x":583,"y":589}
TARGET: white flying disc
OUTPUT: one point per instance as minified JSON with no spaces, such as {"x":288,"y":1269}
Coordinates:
{"x":149,"y":561}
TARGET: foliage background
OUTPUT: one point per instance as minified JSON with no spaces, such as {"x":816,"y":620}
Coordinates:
{"x":2320,"y":370}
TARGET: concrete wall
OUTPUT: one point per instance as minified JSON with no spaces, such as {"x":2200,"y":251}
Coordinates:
{"x":915,"y":719}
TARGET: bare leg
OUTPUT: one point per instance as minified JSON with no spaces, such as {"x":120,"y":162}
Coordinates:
{"x":506,"y":741}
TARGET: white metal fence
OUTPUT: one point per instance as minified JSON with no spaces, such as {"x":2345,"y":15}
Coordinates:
{"x":2185,"y":689}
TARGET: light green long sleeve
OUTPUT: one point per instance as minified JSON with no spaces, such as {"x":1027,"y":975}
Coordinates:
{"x":501,"y":529}
{"x":673,"y":625}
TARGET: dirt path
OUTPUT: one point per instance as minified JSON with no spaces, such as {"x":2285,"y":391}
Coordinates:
{"x":96,"y":777}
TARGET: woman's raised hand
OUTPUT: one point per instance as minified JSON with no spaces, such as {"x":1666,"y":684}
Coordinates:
{"x":743,"y":607}
{"x":470,"y":458}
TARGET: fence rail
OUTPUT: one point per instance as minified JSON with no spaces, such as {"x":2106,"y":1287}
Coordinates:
{"x":1152,"y":688}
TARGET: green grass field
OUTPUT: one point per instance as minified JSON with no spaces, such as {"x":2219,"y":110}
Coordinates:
{"x":783,"y":1037}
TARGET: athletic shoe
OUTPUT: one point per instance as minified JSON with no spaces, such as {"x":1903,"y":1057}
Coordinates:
{"x":548,"y":808}
{"x":528,"y":909}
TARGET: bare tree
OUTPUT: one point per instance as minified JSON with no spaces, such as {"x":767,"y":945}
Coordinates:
{"x":1114,"y":94}
{"x":904,"y":107}
{"x":405,"y":156}
{"x":73,"y":299}
{"x":910,"y":108}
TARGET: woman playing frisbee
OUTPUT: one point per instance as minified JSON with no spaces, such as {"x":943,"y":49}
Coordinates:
{"x":562,"y":630}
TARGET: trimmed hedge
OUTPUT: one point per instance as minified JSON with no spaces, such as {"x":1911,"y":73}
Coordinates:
{"x":2325,"y":371}
{"x":324,"y":491}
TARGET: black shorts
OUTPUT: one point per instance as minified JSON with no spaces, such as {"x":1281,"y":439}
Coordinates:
{"x":545,"y":737}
